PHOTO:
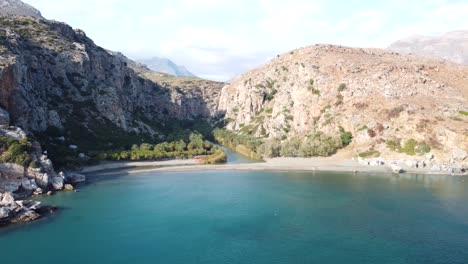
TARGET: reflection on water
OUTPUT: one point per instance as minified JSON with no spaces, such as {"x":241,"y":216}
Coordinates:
{"x":235,"y":158}
{"x":252,"y":217}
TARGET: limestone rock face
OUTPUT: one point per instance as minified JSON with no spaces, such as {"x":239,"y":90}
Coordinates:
{"x":18,"y":8}
{"x":377,"y":95}
{"x":54,"y":77}
{"x":4,"y":118}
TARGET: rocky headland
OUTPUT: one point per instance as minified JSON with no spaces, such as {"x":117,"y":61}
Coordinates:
{"x":397,"y":108}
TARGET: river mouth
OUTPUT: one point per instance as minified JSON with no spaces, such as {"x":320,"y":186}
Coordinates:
{"x":251,"y":217}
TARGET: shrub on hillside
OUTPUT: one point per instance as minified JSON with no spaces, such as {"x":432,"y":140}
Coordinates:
{"x":15,"y":151}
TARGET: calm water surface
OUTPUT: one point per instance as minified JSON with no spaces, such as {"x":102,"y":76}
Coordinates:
{"x":250,"y":217}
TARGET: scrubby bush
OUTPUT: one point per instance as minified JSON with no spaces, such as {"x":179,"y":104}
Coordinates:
{"x":290,"y":148}
{"x":270,"y":149}
{"x":346,"y":137}
{"x":409,"y":148}
{"x":218,"y":157}
{"x":342,"y":87}
{"x":423,"y":148}
{"x":271,"y":95}
{"x":318,"y":144}
{"x":392,"y":145}
{"x":370,"y":154}
{"x":15,"y":151}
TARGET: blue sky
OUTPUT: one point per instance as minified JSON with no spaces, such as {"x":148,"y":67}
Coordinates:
{"x":218,"y":39}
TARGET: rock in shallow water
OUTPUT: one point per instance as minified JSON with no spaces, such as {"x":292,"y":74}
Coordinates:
{"x":57,"y":183}
{"x":12,"y":211}
{"x":396,"y":169}
{"x":75,"y":178}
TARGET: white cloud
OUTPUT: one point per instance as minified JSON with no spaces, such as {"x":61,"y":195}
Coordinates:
{"x":222,"y":38}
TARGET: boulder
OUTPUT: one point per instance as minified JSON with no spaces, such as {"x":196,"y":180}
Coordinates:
{"x":57,"y":183}
{"x":42,"y":180}
{"x":396,"y":169}
{"x":68,"y":187}
{"x":38,"y":191}
{"x":29,"y":185}
{"x":7,"y":199}
{"x":5,"y":214}
{"x":459,"y":154}
{"x":25,"y":215}
{"x":73,"y":147}
{"x":456,"y":168}
{"x":75,"y":178}
{"x":47,"y":165}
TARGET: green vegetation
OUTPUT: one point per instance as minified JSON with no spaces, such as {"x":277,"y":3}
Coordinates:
{"x":346,"y":137}
{"x":317,"y":144}
{"x":16,"y":151}
{"x":271,"y":95}
{"x":271,"y":83}
{"x":218,"y":157}
{"x":181,"y":149}
{"x":423,"y":148}
{"x":411,"y":147}
{"x":244,"y":144}
{"x":370,"y":154}
{"x":392,"y":145}
{"x":93,"y":138}
{"x":463,"y":113}
{"x":342,"y":87}
{"x":363,"y":128}
{"x":312,"y":88}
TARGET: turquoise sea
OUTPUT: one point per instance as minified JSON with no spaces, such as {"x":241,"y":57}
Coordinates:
{"x":250,"y":217}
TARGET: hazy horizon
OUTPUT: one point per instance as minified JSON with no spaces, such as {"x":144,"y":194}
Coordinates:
{"x":219,"y":40}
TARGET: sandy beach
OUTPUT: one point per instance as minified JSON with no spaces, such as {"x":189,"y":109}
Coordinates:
{"x":276,"y":164}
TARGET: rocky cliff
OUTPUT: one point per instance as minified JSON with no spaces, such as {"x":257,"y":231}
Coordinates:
{"x":59,"y":89}
{"x":54,"y":81}
{"x":18,"y":8}
{"x":396,"y":106}
{"x":452,"y":46}
{"x":25,"y":171}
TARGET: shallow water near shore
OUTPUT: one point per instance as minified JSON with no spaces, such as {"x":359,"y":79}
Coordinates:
{"x":250,"y":217}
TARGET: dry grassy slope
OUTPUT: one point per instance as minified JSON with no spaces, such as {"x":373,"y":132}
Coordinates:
{"x":392,"y":95}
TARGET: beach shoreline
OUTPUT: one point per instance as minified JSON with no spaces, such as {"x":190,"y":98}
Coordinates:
{"x":275,"y":164}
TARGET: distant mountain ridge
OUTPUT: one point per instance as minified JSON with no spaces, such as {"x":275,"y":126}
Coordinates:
{"x":166,"y":66}
{"x":16,"y":7}
{"x":452,"y":46}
